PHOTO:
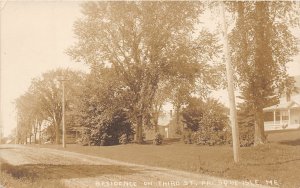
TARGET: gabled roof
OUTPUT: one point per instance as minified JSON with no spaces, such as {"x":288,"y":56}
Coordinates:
{"x":284,"y":104}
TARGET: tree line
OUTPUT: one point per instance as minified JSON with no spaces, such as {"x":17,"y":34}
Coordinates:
{"x":142,"y":54}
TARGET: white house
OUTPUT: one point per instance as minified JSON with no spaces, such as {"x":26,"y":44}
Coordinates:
{"x":285,"y":115}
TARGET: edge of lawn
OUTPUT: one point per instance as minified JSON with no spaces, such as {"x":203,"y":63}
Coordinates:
{"x":272,"y":163}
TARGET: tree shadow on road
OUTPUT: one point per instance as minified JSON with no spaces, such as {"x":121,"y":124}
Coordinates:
{"x":53,"y":172}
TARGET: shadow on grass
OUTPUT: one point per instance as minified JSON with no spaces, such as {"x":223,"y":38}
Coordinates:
{"x":53,"y":172}
{"x":7,"y":148}
{"x":166,"y":141}
{"x":273,"y":163}
{"x":169,"y":141}
{"x":291,"y":142}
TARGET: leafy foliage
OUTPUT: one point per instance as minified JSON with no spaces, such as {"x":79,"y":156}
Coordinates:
{"x":158,"y":140}
{"x":110,"y":131}
{"x":103,"y":109}
{"x":206,"y":122}
{"x":262,"y":44}
{"x":145,"y":44}
{"x":43,"y":101}
{"x":246,"y":125}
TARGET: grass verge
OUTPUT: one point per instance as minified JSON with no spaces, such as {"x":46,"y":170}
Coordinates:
{"x":277,"y":162}
{"x":272,"y":163}
{"x":12,"y":177}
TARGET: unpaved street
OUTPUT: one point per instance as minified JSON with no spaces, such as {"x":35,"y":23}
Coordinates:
{"x":78,"y":170}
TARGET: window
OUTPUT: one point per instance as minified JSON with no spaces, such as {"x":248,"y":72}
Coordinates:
{"x":285,"y":115}
{"x":277,"y":116}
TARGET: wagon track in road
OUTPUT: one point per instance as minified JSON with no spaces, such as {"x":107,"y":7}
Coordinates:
{"x":80,"y":170}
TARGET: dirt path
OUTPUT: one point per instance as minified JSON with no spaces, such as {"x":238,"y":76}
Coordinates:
{"x":79,"y":170}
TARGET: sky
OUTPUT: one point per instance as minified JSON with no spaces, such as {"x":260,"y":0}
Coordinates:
{"x":34,"y":38}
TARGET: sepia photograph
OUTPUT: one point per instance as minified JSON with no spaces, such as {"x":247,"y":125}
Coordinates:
{"x":157,"y":94}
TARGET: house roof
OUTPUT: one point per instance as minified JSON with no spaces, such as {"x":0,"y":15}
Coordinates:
{"x":284,"y":104}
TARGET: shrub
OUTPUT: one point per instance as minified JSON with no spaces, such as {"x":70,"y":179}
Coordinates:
{"x":105,"y":139}
{"x":124,"y":139}
{"x":246,"y":136}
{"x":211,"y":137}
{"x":205,"y":122}
{"x":113,"y":130}
{"x":187,"y":136}
{"x":85,"y":137}
{"x":158,"y":140}
{"x":246,"y":125}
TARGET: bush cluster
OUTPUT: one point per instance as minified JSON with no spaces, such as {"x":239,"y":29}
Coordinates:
{"x":207,"y":137}
{"x":206,"y":123}
{"x":125,"y":139}
{"x":210,"y":137}
{"x":246,"y":136}
{"x":111,"y":131}
{"x":158,"y":140}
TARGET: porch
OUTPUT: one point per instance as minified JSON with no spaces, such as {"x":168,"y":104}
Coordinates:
{"x":281,"y":119}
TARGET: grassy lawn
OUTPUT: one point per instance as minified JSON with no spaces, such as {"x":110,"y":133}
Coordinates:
{"x":278,"y":160}
{"x":14,"y":177}
{"x":8,"y":181}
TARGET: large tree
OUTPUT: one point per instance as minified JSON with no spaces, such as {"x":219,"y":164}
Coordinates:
{"x":43,"y":100}
{"x":26,"y":115}
{"x":262,"y":44}
{"x":102,"y":108}
{"x":141,"y":42}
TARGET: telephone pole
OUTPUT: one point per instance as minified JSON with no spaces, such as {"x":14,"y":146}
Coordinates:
{"x":62,"y":80}
{"x":230,"y":88}
{"x":2,"y":4}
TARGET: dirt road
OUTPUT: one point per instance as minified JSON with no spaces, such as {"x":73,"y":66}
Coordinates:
{"x":79,"y":170}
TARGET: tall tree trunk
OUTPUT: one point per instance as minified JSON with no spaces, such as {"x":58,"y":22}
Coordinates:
{"x":263,"y":55}
{"x":156,"y":126}
{"x":40,"y":134}
{"x":29,"y":138}
{"x":259,"y":136}
{"x":57,"y":133}
{"x":136,"y":135}
{"x":141,"y":139}
{"x":157,"y":113}
{"x":35,"y":137}
{"x":35,"y":126}
{"x":139,"y":132}
{"x":156,"y":116}
{"x":177,"y":118}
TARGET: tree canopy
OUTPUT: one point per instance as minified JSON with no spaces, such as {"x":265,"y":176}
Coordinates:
{"x":43,"y":100}
{"x":262,"y":44}
{"x":145,"y":44}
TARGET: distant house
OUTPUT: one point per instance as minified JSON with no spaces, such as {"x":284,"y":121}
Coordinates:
{"x":286,"y":114}
{"x":164,"y":126}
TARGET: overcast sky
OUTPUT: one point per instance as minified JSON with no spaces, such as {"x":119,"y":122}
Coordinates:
{"x":34,"y":37}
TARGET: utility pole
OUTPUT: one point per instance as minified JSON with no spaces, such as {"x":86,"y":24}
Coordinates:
{"x":62,"y":80}
{"x":230,"y":88}
{"x":16,"y":139}
{"x":2,"y":4}
{"x":1,"y":126}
